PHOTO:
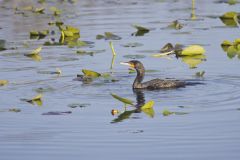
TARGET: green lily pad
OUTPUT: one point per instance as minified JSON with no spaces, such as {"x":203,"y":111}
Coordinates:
{"x":140,"y":30}
{"x":55,"y":11}
{"x":231,"y":52}
{"x":167,"y":112}
{"x":134,"y":44}
{"x":192,"y":50}
{"x":90,"y":73}
{"x":78,"y":43}
{"x":108,"y":36}
{"x":200,"y":74}
{"x":175,"y":25}
{"x":124,"y":100}
{"x":78,"y":105}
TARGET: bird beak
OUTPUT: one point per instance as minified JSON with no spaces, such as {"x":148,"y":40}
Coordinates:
{"x":127,"y":64}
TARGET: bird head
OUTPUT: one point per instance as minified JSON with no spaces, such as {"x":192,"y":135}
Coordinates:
{"x":134,"y":64}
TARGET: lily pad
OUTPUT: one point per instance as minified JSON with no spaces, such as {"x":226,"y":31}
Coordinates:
{"x":167,"y":112}
{"x":140,"y":30}
{"x":124,"y":100}
{"x":3,"y":82}
{"x":90,"y":73}
{"x":55,"y":11}
{"x":134,"y":44}
{"x":16,"y":110}
{"x":77,"y":44}
{"x":192,"y":50}
{"x":175,"y":25}
{"x":193,"y":61}
{"x":53,"y":113}
{"x":34,"y":52}
{"x":78,"y":105}
{"x":35,"y":100}
{"x":108,"y":36}
{"x":200,"y":74}
{"x":148,"y":105}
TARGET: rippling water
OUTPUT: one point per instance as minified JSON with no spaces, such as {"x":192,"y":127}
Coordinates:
{"x":210,"y":130}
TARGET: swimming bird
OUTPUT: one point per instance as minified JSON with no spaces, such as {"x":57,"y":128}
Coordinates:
{"x":152,"y":84}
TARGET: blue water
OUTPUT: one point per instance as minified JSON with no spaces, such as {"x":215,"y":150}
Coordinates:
{"x":210,"y":130}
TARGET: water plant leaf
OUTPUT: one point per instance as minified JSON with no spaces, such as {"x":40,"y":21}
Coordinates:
{"x":123,"y":116}
{"x":148,"y":105}
{"x":167,"y":112}
{"x":231,"y":52}
{"x":55,"y":11}
{"x":228,"y":15}
{"x":175,"y":25}
{"x":132,"y":44}
{"x":192,"y":50}
{"x":16,"y":110}
{"x":3,"y":82}
{"x":149,"y":111}
{"x":53,"y":113}
{"x":35,"y":51}
{"x":39,"y":10}
{"x":78,"y":105}
{"x":35,"y":100}
{"x":193,"y":61}
{"x":90,"y":73}
{"x":111,"y":36}
{"x":124,"y":100}
{"x":140,"y":30}
{"x":78,"y":43}
{"x":200,"y":74}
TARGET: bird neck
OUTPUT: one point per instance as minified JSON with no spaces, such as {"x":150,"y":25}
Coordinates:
{"x":139,"y":78}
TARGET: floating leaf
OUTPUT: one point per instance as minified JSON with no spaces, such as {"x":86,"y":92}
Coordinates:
{"x":148,"y":105}
{"x":90,"y":53}
{"x":3,"y":82}
{"x":111,"y":36}
{"x":193,"y":61}
{"x":149,"y":111}
{"x":39,"y":10}
{"x":55,"y":11}
{"x":78,"y":43}
{"x":228,"y":15}
{"x":200,"y":74}
{"x":140,"y":30}
{"x":14,"y":110}
{"x":231,"y":52}
{"x":123,"y":116}
{"x":124,"y":100}
{"x":77,"y":105}
{"x":192,"y":50}
{"x":53,"y":113}
{"x":175,"y":25}
{"x":90,"y":73}
{"x":135,"y":44}
{"x":35,"y":100}
{"x":167,"y":112}
{"x":34,"y":52}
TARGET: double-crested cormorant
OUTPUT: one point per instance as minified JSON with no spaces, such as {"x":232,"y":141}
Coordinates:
{"x":152,"y":84}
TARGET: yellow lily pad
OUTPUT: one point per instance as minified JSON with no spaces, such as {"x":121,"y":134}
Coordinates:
{"x":124,"y":100}
{"x":3,"y":82}
{"x":36,"y":51}
{"x":90,"y":73}
{"x":192,"y":50}
{"x":228,"y":15}
{"x":193,"y":61}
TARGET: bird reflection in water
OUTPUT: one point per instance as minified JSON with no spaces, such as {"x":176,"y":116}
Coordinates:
{"x":140,"y":98}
